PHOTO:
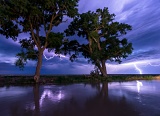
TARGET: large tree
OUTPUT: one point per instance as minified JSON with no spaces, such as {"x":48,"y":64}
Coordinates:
{"x":37,"y":18}
{"x":104,"y":36}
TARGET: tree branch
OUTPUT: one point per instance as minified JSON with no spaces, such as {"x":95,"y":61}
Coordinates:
{"x":32,"y":32}
{"x":51,"y":25}
{"x":37,"y":34}
{"x":50,"y":28}
{"x":86,"y":49}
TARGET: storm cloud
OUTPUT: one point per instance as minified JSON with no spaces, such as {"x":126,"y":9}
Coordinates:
{"x":142,"y":15}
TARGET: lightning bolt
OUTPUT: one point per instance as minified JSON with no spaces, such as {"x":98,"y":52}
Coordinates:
{"x":152,"y":62}
{"x":147,"y":63}
{"x":54,"y":55}
{"x":138,"y":69}
{"x":153,"y":65}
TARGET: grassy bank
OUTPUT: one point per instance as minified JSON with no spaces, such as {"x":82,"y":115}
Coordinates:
{"x":66,"y":79}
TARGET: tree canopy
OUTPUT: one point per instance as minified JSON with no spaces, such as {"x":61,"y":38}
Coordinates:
{"x":104,"y":35}
{"x":37,"y":18}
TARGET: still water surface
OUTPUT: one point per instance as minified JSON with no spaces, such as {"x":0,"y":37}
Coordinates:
{"x":102,"y":99}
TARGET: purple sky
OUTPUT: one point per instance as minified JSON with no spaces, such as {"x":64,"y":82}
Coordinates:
{"x":142,"y":15}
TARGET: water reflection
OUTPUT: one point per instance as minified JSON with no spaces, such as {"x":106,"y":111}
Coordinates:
{"x":103,"y":104}
{"x":54,"y":97}
{"x":36,"y":100}
{"x":40,"y":99}
{"x":94,"y":99}
{"x":102,"y":88}
{"x":99,"y":104}
{"x":139,"y":84}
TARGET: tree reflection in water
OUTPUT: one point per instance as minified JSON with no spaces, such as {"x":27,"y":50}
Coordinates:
{"x":36,"y":100}
{"x":102,"y":105}
{"x":98,"y":105}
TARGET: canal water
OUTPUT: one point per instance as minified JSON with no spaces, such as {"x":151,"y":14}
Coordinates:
{"x":132,"y":98}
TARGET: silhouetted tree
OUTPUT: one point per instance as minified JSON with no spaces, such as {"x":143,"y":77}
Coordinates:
{"x":37,"y":18}
{"x":103,"y":36}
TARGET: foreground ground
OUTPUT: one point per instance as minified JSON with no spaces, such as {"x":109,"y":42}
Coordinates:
{"x":65,"y":79}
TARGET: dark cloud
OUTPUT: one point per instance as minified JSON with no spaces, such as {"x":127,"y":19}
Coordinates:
{"x":7,"y":69}
{"x":143,"y":55}
{"x":8,"y":46}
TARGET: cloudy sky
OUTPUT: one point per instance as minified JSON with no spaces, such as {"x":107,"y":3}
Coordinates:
{"x":142,"y":15}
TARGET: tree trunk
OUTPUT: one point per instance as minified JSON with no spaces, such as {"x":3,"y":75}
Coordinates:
{"x":90,"y":45}
{"x":38,"y":67}
{"x":102,"y":67}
